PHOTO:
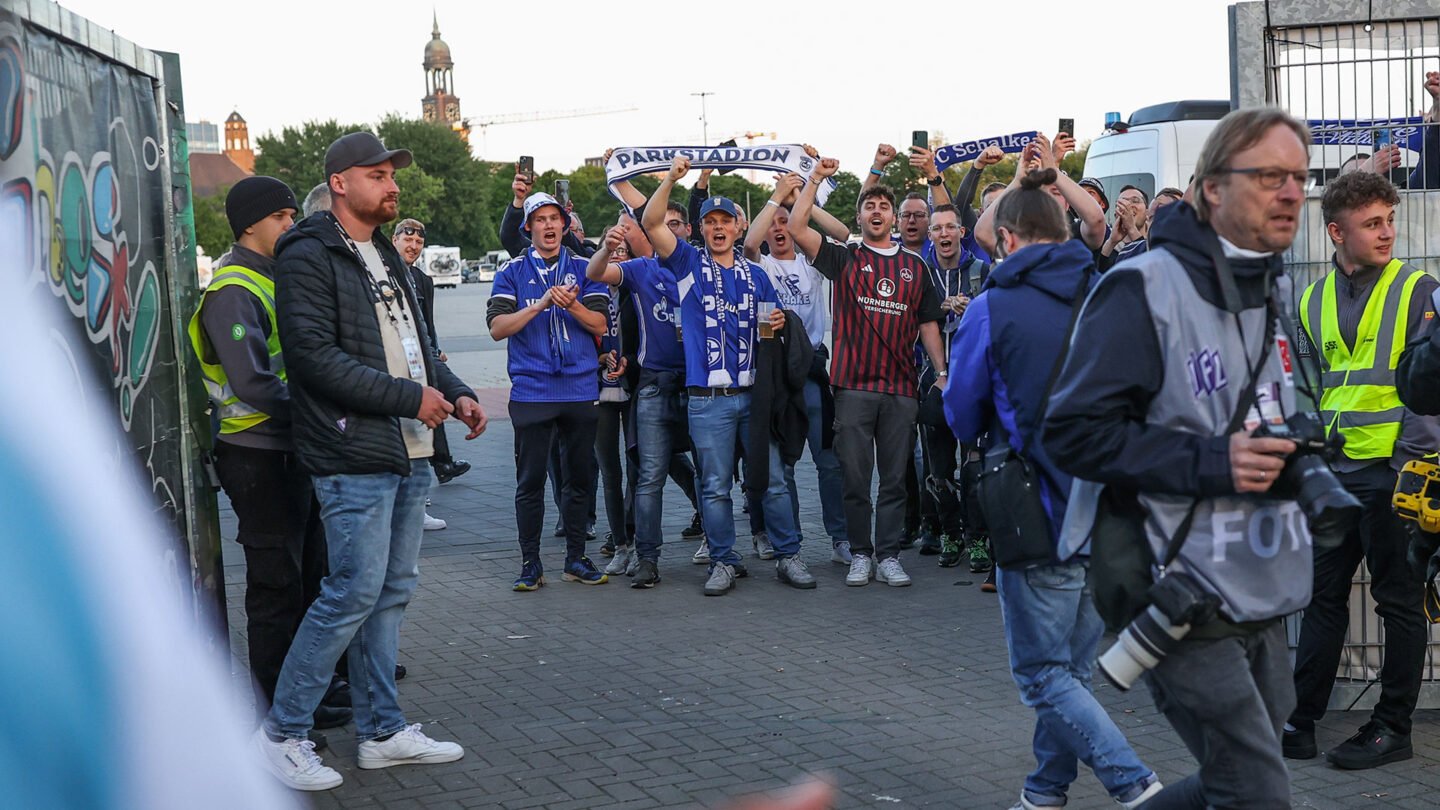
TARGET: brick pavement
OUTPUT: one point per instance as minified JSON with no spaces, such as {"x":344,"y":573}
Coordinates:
{"x":580,"y":697}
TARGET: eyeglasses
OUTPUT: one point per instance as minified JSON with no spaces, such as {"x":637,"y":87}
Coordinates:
{"x":914,"y":215}
{"x":1274,"y":179}
{"x":946,"y":228}
{"x":410,"y":230}
{"x":674,"y":224}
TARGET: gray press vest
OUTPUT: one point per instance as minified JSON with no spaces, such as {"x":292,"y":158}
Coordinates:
{"x":1253,"y":552}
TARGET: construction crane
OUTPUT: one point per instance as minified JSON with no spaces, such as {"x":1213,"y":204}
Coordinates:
{"x":484,"y":124}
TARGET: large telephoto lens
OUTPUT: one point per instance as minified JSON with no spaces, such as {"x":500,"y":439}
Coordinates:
{"x":1330,"y":510}
{"x":1140,"y":647}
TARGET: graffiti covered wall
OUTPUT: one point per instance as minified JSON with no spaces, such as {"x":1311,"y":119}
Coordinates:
{"x":87,"y":190}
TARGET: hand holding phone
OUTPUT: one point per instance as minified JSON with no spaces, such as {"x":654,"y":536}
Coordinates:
{"x":920,"y":138}
{"x":526,"y":166}
{"x":1067,"y":126}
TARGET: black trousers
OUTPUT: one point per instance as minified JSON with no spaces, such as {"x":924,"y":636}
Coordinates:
{"x":284,"y":544}
{"x":442,"y":448}
{"x":1381,"y":540}
{"x":571,"y":427}
{"x":619,"y":483}
{"x":874,"y":431}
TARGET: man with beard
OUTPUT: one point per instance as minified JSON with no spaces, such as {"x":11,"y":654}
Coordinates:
{"x":884,"y":303}
{"x":365,"y":398}
{"x":801,"y":290}
{"x":720,"y":295}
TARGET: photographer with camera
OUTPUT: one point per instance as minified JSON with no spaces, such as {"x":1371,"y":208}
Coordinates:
{"x":1004,"y":358}
{"x":1357,"y":319}
{"x":1195,"y":550}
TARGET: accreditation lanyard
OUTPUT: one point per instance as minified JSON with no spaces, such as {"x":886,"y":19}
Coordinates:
{"x":389,"y":294}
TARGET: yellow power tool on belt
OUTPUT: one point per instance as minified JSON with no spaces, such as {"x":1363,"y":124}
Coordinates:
{"x":1417,"y":499}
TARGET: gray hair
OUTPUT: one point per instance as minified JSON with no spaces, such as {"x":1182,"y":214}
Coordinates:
{"x":1235,"y":133}
{"x":317,"y":200}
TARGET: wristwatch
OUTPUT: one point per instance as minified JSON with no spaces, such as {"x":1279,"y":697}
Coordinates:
{"x":936,"y":181}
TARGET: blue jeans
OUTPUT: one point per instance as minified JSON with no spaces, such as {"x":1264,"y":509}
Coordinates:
{"x":659,"y":416}
{"x":827,"y":467}
{"x":373,"y":525}
{"x":715,"y":423}
{"x":1052,"y":630}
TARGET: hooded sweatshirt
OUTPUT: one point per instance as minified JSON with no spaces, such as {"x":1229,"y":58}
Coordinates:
{"x":1004,"y":354}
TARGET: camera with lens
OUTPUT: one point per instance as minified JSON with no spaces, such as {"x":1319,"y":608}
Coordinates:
{"x":1330,"y":510}
{"x":1177,"y":603}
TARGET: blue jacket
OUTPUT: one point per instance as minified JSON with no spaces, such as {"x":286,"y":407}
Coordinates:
{"x":1004,"y":352}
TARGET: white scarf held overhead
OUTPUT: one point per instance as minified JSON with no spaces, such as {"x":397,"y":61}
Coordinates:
{"x":627,"y":162}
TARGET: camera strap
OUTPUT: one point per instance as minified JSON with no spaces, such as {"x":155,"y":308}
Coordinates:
{"x":1231,"y":293}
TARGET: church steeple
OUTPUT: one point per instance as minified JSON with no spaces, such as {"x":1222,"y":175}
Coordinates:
{"x":440,"y":104}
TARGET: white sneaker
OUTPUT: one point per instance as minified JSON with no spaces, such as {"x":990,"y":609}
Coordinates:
{"x":891,"y":573}
{"x":862,"y":570}
{"x":295,"y":763}
{"x":434,"y":524}
{"x":1149,"y":793}
{"x":702,"y":554}
{"x":763,"y":548}
{"x":840,"y":553}
{"x":624,"y":555}
{"x":408,"y":747}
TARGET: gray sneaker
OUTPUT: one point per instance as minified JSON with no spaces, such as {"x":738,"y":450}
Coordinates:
{"x":763,"y":549}
{"x":702,"y":554}
{"x":624,"y":558}
{"x":891,"y":573}
{"x":792,"y":572}
{"x":840,"y":552}
{"x":722,"y":579}
{"x":862,"y":570}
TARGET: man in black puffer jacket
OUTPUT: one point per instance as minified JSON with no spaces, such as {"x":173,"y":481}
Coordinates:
{"x":367,"y":392}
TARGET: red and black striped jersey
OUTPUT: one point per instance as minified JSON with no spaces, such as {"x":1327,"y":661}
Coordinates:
{"x":880,"y":299}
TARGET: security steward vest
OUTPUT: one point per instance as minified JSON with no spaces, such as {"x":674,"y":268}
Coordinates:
{"x":1358,"y":395}
{"x":235,"y":415}
{"x":1252,"y":551}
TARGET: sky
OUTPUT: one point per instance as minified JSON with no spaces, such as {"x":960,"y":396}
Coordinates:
{"x":824,"y":73}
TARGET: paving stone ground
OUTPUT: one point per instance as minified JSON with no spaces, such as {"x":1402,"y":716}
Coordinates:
{"x":605,"y":696}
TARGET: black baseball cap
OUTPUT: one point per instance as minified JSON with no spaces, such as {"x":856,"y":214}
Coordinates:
{"x":362,"y":149}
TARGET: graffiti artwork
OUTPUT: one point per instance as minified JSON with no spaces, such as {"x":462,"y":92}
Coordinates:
{"x":84,"y":199}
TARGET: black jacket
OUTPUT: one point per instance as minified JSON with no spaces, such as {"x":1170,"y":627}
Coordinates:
{"x":425,"y":294}
{"x":1095,"y":427}
{"x":345,"y":405}
{"x":777,"y":402}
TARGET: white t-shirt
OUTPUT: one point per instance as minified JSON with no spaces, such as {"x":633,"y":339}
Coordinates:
{"x":419,"y":440}
{"x":800,"y":288}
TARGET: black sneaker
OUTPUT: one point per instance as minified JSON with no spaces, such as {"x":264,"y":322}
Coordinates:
{"x":929,"y":543}
{"x":647,"y":575}
{"x":696,"y":530}
{"x":1374,"y":745}
{"x":949,"y":550}
{"x":450,"y":470}
{"x":980,"y":555}
{"x":988,"y":586}
{"x":608,"y":550}
{"x":1299,"y":744}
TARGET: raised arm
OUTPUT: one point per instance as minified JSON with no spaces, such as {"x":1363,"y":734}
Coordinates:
{"x":654,"y":222}
{"x":807,"y":240}
{"x":884,"y":153}
{"x":924,"y":162}
{"x":600,"y":267}
{"x":786,"y":188}
{"x":985,"y":226}
{"x":964,"y":198}
{"x":629,"y":195}
{"x":1091,"y":215}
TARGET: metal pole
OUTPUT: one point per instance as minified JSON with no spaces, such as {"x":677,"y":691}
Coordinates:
{"x":704,"y":120}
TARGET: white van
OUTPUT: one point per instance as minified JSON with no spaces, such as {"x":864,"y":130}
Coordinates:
{"x":442,"y":264}
{"x":1157,"y":149}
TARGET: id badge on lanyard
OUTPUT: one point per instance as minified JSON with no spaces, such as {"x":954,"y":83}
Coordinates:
{"x":414,"y":359}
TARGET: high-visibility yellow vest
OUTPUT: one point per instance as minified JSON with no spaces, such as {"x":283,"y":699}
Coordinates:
{"x":1358,"y":382}
{"x":235,"y":415}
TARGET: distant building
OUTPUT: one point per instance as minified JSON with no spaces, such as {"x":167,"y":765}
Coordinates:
{"x":237,"y":143}
{"x":595,"y":161}
{"x":440,"y":104}
{"x":212,"y":172}
{"x":203,"y":136}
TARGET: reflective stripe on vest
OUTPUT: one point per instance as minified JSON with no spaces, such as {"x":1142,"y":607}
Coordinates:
{"x":236,"y":415}
{"x":1358,"y":384}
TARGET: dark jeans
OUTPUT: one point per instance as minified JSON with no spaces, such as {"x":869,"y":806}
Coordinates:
{"x":571,"y":427}
{"x":284,"y":544}
{"x":1227,"y":699}
{"x":874,"y":431}
{"x":1381,"y":540}
{"x":940,"y":448}
{"x":619,"y":487}
{"x":660,"y":428}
